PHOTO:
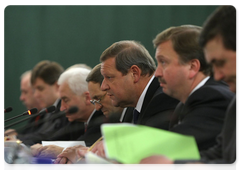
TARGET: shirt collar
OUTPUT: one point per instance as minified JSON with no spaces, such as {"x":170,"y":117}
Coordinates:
{"x":90,"y":117}
{"x":200,"y":84}
{"x":140,"y":100}
{"x":123,"y":113}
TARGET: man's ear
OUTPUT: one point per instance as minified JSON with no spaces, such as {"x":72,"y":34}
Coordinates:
{"x":56,"y":86}
{"x":87,"y":97}
{"x":135,"y":72}
{"x":194,"y":67}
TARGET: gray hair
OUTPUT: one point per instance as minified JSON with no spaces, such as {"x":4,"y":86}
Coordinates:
{"x":76,"y":79}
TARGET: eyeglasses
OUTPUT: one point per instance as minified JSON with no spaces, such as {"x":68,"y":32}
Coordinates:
{"x":98,"y":101}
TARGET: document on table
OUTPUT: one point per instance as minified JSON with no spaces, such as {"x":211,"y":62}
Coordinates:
{"x":128,"y":143}
{"x":63,"y":143}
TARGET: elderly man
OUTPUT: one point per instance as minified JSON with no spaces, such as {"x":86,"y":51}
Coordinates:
{"x":102,"y":102}
{"x":84,"y":124}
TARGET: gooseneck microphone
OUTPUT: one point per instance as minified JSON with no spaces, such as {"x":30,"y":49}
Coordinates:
{"x":46,"y":110}
{"x":9,"y":109}
{"x":71,"y":110}
{"x":29,"y":112}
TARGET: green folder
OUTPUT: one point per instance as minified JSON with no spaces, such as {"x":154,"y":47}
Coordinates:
{"x":129,"y":144}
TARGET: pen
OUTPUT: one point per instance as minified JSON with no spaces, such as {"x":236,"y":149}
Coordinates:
{"x":89,"y":149}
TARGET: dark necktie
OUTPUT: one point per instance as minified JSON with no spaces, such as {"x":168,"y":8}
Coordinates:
{"x":176,"y":116}
{"x":135,"y":116}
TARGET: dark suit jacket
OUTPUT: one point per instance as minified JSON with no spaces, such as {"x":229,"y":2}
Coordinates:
{"x":70,"y":132}
{"x":157,"y":107}
{"x":128,"y":117}
{"x":93,"y":132}
{"x":203,"y":114}
{"x":33,"y":125}
{"x":225,"y":150}
{"x":54,"y":122}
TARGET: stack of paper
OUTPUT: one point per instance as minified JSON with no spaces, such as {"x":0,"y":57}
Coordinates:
{"x":129,"y":144}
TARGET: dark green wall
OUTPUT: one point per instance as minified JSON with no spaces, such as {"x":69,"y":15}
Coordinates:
{"x":79,"y":34}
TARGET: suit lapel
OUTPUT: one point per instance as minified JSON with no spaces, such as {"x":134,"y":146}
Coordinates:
{"x":128,"y":115}
{"x":151,"y":91}
{"x":176,"y":115}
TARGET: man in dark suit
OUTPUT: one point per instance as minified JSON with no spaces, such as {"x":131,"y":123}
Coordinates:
{"x":102,"y":102}
{"x":44,"y":79}
{"x":128,"y":70}
{"x":218,"y":38}
{"x":89,"y":119}
{"x":28,"y":99}
{"x":184,"y":74}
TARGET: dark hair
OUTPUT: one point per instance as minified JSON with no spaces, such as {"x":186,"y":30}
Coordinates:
{"x":48,"y":71}
{"x":185,"y":42}
{"x":95,"y":75}
{"x":128,"y":53}
{"x":222,"y":22}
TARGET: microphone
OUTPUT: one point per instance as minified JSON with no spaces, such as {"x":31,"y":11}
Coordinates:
{"x":29,"y":112}
{"x":47,"y":110}
{"x":72,"y":110}
{"x":32,"y":115}
{"x":9,"y":109}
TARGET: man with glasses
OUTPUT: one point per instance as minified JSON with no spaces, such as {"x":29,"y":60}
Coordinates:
{"x":102,"y":101}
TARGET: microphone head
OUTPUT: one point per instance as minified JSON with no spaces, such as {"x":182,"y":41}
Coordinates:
{"x":9,"y":109}
{"x":32,"y":111}
{"x":72,"y":110}
{"x":50,"y":109}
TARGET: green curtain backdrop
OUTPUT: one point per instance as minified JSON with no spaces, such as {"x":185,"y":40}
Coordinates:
{"x":79,"y":34}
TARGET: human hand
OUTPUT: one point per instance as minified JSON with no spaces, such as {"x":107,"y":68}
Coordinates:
{"x":49,"y":151}
{"x":195,"y":166}
{"x":98,"y":149}
{"x":34,"y":149}
{"x":68,"y":156}
{"x":156,"y":162}
{"x":62,"y":160}
{"x":82,"y":152}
